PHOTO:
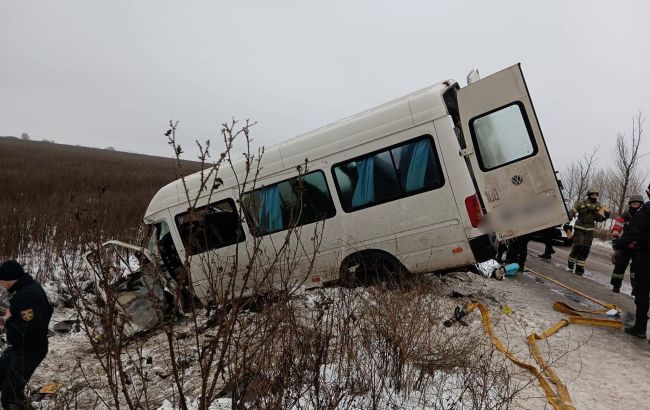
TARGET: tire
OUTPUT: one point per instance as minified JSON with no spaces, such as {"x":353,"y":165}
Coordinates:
{"x":373,"y":269}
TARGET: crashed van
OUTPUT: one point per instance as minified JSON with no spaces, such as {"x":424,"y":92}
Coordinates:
{"x":426,"y":182}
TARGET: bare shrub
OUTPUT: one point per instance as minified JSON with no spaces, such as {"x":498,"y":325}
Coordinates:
{"x":276,"y":345}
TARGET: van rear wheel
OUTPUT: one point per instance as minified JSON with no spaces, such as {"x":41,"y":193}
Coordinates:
{"x":371,"y":270}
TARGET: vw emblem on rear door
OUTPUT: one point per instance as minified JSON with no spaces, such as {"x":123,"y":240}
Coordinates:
{"x":517,"y":180}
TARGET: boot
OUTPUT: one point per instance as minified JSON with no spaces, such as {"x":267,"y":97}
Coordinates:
{"x":616,"y":289}
{"x":570,"y":265}
{"x":545,"y":255}
{"x":580,"y":270}
{"x":635,"y":331}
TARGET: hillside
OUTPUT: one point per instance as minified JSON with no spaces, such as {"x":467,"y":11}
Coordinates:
{"x":56,"y":195}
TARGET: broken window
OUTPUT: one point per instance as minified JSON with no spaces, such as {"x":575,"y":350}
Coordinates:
{"x":156,"y":232}
{"x":210,"y":227}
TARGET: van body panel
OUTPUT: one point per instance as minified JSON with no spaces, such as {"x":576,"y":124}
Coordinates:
{"x":424,"y":224}
{"x":425,"y":105}
{"x":460,"y":179}
{"x":165,"y":198}
{"x":508,"y":155}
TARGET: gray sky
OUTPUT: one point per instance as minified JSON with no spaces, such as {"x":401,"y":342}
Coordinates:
{"x":113,"y":73}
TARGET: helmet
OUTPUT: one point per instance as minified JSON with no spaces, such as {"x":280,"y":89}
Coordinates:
{"x":636,"y":198}
{"x":592,"y":191}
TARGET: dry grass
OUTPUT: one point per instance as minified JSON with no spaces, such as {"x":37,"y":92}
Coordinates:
{"x":58,"y":197}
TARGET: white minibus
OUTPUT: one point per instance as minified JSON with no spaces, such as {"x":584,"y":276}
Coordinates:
{"x":427,"y":182}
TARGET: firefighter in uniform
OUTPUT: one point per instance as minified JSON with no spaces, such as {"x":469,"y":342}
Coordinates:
{"x":589,"y":212}
{"x":621,"y":258}
{"x":636,"y":238}
{"x":26,"y":322}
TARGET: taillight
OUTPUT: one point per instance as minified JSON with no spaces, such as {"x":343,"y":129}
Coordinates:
{"x":473,"y":210}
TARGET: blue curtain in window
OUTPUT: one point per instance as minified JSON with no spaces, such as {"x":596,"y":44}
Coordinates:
{"x":270,"y":212}
{"x":364,"y":191}
{"x":417,"y":168}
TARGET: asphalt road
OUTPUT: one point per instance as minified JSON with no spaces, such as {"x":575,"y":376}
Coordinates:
{"x":598,"y":268}
{"x":595,"y":282}
{"x":604,"y":368}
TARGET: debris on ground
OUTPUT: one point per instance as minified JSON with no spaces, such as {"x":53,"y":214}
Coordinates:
{"x":66,"y":326}
{"x":507,"y":310}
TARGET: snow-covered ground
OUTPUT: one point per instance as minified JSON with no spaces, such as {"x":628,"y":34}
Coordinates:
{"x":72,"y":363}
{"x":602,"y":368}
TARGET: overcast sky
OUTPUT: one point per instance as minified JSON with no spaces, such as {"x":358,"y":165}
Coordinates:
{"x":113,"y":73}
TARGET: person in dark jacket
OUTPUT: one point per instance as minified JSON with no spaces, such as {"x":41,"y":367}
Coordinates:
{"x":26,"y":323}
{"x":636,"y":238}
{"x":622,"y":258}
{"x":518,"y":251}
{"x":547,"y":236}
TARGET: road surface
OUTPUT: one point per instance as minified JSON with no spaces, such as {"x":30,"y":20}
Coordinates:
{"x":604,"y":368}
{"x":598,"y":268}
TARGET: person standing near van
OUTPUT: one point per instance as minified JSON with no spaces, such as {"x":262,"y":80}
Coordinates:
{"x":636,"y":238}
{"x":26,"y":322}
{"x":621,"y":258}
{"x":518,"y":251}
{"x":589,"y":212}
{"x":547,"y":236}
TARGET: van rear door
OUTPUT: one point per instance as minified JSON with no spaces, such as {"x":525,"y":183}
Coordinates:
{"x":508,"y":156}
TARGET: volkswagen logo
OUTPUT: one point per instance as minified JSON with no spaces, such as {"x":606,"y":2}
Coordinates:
{"x":517,"y":180}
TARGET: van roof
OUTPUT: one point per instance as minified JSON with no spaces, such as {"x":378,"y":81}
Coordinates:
{"x":402,"y":113}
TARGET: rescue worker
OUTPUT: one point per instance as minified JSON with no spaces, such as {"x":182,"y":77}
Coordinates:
{"x":589,"y":212}
{"x":636,"y":237}
{"x":26,"y":323}
{"x":621,"y":258}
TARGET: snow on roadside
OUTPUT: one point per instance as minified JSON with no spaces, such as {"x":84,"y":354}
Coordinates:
{"x":72,"y":362}
{"x":219,"y":404}
{"x":515,"y":312}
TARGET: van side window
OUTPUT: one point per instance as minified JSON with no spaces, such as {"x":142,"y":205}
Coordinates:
{"x":209,"y":227}
{"x":394,"y":173}
{"x":502,"y":137}
{"x":294,"y":202}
